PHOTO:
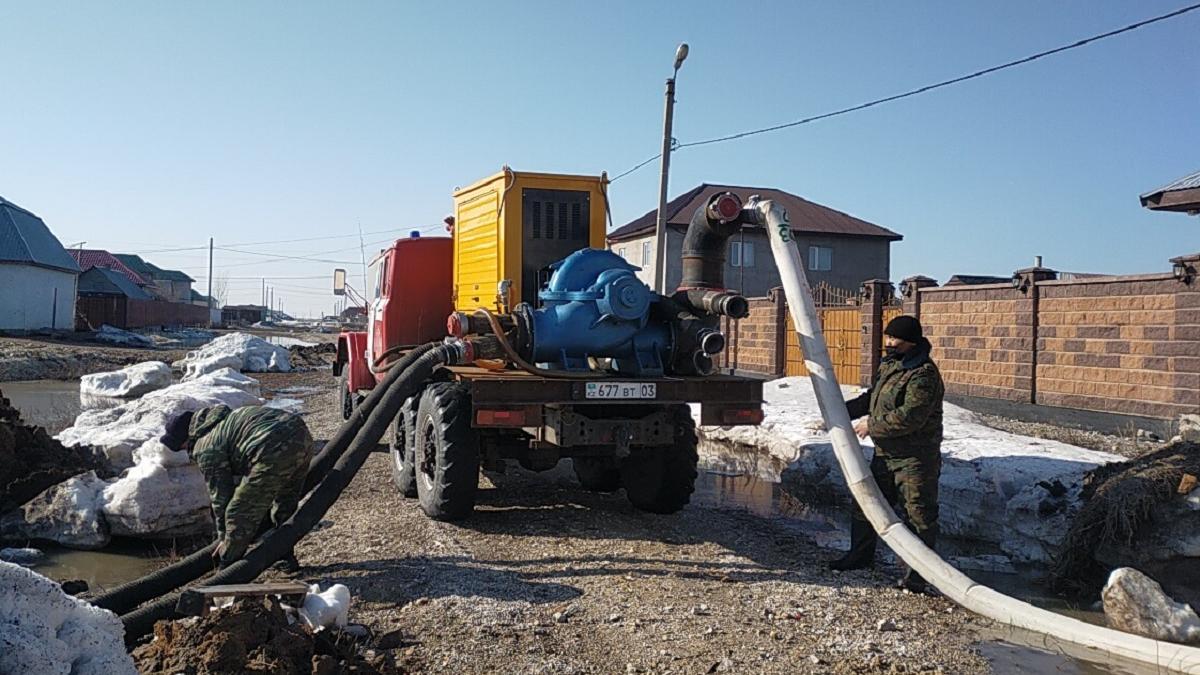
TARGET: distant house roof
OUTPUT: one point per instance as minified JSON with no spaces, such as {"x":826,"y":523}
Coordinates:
{"x":24,"y":238}
{"x":976,"y":280}
{"x":200,"y":297}
{"x":151,"y":271}
{"x":245,"y":308}
{"x":1180,"y":195}
{"x":804,"y":215}
{"x":87,"y":258}
{"x":105,"y":281}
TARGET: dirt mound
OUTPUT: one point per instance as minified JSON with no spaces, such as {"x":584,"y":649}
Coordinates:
{"x":1122,"y":499}
{"x":31,"y":461}
{"x":250,"y":636}
{"x":312,"y":356}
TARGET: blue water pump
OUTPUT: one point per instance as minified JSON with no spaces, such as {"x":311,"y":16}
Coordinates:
{"x":595,"y":307}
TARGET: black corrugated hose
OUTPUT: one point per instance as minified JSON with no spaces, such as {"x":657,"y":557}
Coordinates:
{"x":279,"y":541}
{"x":129,"y":595}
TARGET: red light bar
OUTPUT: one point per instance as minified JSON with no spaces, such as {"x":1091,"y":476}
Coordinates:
{"x":490,"y":417}
{"x":742,"y":415}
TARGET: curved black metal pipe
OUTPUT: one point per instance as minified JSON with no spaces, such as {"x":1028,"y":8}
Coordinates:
{"x":704,"y":245}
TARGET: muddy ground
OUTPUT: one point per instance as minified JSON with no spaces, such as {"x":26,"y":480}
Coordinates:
{"x":549,"y":578}
{"x":66,"y":359}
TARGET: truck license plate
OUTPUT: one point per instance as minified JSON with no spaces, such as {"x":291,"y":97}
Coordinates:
{"x":622,"y":390}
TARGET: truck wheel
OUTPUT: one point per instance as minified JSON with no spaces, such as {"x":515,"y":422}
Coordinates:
{"x":401,"y":444}
{"x":447,"y":452}
{"x":598,"y":474}
{"x":661,"y":479}
{"x":344,"y":399}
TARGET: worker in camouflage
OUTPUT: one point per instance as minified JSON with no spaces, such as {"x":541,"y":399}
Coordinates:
{"x":254,"y":460}
{"x":903,"y":416}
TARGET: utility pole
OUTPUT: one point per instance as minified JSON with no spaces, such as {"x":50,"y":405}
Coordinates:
{"x":210,"y":303}
{"x":263,"y":302}
{"x":660,"y":230}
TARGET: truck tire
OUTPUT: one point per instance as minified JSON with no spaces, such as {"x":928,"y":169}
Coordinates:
{"x":401,"y":441}
{"x":343,"y":398}
{"x":597,"y":474}
{"x":661,"y":479}
{"x":446,"y":452}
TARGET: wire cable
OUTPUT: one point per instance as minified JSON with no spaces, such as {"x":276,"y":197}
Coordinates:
{"x":929,"y":87}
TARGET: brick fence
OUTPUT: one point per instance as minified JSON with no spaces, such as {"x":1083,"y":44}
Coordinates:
{"x":1116,"y":344}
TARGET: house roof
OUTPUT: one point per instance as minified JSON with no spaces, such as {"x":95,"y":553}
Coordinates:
{"x":87,"y":258}
{"x":104,"y":281}
{"x":976,"y":279}
{"x":200,"y":297}
{"x":806,"y":216}
{"x":1180,"y":195}
{"x":151,"y":271}
{"x":245,"y":308}
{"x":24,"y":238}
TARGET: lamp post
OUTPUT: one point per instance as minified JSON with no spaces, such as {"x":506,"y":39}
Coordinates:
{"x":660,"y":230}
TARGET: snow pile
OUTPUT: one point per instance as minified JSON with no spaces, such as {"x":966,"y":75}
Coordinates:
{"x":240,"y":351}
{"x":21,"y":556}
{"x":1135,"y":603}
{"x":324,"y":610}
{"x":1015,"y":492}
{"x":43,"y":630}
{"x":163,"y":495}
{"x":119,"y":431}
{"x":129,"y":382}
{"x":68,"y":513}
{"x":116,"y":336}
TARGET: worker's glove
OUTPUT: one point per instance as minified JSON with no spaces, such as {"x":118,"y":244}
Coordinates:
{"x":217,"y":554}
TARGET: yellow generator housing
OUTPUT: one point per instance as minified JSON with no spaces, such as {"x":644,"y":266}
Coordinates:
{"x":510,"y":226}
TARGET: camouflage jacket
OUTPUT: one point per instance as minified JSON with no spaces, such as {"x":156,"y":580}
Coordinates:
{"x":905,"y":405}
{"x":226,"y":444}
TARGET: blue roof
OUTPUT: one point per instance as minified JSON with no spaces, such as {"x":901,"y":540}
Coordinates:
{"x":24,"y":238}
{"x":103,"y":281}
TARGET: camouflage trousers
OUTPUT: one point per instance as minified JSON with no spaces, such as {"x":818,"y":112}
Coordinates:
{"x":910,"y":481}
{"x":274,"y":485}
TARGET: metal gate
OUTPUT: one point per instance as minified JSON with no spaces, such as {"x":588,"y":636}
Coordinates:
{"x":843,"y":336}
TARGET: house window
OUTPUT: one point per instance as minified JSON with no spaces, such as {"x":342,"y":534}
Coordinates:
{"x":645,"y":253}
{"x":621,"y":252}
{"x":741,"y":254}
{"x":820,"y":258}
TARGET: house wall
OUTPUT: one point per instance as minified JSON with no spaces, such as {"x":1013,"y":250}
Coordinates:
{"x":854,"y":260}
{"x":27,"y":298}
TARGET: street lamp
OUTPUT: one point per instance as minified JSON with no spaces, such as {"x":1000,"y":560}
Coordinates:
{"x":660,"y":229}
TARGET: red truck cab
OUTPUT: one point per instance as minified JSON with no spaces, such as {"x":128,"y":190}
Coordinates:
{"x":408,"y":291}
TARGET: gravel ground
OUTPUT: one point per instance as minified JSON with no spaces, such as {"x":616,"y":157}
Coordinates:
{"x":548,"y":578}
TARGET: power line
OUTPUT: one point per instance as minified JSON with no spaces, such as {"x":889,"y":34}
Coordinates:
{"x":929,"y":87}
{"x":285,"y":241}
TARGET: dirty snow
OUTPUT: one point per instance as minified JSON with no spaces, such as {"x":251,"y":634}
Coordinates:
{"x":240,"y":351}
{"x":129,"y":382}
{"x":293,"y":405}
{"x":160,"y":493}
{"x":116,"y":336}
{"x":119,"y":431}
{"x":989,"y":490}
{"x":21,"y":556}
{"x":67,"y":513}
{"x":1135,"y":603}
{"x":43,"y":630}
{"x":163,"y":495}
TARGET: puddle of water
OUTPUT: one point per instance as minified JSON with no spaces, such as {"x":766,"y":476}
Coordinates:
{"x":53,"y":404}
{"x":285,"y":341}
{"x":120,"y":562}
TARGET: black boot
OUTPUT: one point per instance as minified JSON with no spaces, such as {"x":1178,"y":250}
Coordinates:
{"x":862,"y":548}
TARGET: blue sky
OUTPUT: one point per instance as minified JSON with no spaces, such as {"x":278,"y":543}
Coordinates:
{"x":148,"y":126}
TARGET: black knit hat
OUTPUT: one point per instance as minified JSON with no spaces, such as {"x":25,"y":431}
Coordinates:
{"x":905,"y":327}
{"x":177,"y":431}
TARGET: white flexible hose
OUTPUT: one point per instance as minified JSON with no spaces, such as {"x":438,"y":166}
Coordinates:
{"x":953,"y":584}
